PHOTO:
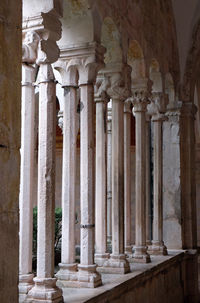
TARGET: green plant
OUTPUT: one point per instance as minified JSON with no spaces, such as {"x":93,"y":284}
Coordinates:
{"x":58,"y":228}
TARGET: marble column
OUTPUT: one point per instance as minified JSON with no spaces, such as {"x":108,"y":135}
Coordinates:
{"x":67,"y":273}
{"x":148,"y":183}
{"x":140,"y":101}
{"x":109,"y":176}
{"x":127,"y":177}
{"x":68,"y":265}
{"x":157,"y":109}
{"x":117,"y":262}
{"x":87,"y":276}
{"x":101,"y":99}
{"x":29,"y":54}
{"x":26,"y":179}
{"x":45,"y":284}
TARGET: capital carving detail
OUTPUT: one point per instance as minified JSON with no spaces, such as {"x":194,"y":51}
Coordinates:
{"x":100,"y":89}
{"x":30,"y":47}
{"x":158,"y":106}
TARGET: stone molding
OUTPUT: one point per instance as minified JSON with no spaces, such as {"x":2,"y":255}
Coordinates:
{"x":141,"y":94}
{"x":42,"y":30}
{"x":84,"y":60}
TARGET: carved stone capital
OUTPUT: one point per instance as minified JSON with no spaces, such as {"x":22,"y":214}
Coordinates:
{"x":158,"y":106}
{"x":30,"y":47}
{"x":120,"y":80}
{"x":48,"y":28}
{"x":69,"y":73}
{"x":87,"y":59}
{"x":127,"y":106}
{"x":100,"y":89}
{"x":141,"y":94}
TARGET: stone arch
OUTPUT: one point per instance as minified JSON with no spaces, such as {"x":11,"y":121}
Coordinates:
{"x":135,"y":58}
{"x":81,"y":23}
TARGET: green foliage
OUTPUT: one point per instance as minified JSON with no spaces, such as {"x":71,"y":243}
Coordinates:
{"x":58,"y":228}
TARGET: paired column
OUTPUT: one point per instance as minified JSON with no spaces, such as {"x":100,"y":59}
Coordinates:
{"x":148,"y":182}
{"x":88,"y":277}
{"x":29,"y":55}
{"x":157,"y":108}
{"x":26,"y":179}
{"x":127,"y":177}
{"x":45,"y":283}
{"x":140,"y":101}
{"x":117,"y":262}
{"x":68,"y":267}
{"x":101,"y":177}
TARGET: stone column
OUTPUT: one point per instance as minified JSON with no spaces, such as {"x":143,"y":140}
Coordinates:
{"x":88,"y":68}
{"x":27,"y":163}
{"x":45,"y":288}
{"x":68,"y":268}
{"x":140,"y":101}
{"x":109,"y":177}
{"x":45,"y":283}
{"x":127,"y":177}
{"x":101,"y":99}
{"x":148,"y":183}
{"x":157,"y":109}
{"x":117,"y":262}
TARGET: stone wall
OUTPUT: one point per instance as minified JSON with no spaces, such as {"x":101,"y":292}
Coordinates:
{"x":10,"y":102}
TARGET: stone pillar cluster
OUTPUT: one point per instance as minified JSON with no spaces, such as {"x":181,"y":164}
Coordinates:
{"x":105,"y":166}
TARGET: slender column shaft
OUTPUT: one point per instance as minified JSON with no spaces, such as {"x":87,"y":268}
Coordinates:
{"x":46,"y":172}
{"x":45,"y":284}
{"x":100,"y":193}
{"x":69,"y":175}
{"x":117,"y":178}
{"x":87,"y":175}
{"x":157,"y":242}
{"x":157,"y":160}
{"x":127,"y":178}
{"x":109,"y":175}
{"x":148,"y":200}
{"x":140,"y":253}
{"x":27,"y":173}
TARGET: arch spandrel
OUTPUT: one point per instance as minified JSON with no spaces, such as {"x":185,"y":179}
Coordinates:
{"x":135,"y":58}
{"x":111,"y":40}
{"x":81,"y":23}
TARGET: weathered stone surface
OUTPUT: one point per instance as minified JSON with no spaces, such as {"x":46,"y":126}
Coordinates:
{"x":10,"y":106}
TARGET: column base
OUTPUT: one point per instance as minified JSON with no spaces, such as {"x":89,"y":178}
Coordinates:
{"x":117,"y":264}
{"x":88,"y":276}
{"x":45,"y":291}
{"x":67,"y":274}
{"x":140,"y":255}
{"x":157,"y":248}
{"x":100,"y":259}
{"x":25,"y":283}
{"x":128,"y":250}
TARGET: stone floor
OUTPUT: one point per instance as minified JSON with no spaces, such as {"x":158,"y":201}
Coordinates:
{"x":112,"y":282}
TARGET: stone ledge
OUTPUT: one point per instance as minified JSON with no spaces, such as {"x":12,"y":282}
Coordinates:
{"x":115,"y":286}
